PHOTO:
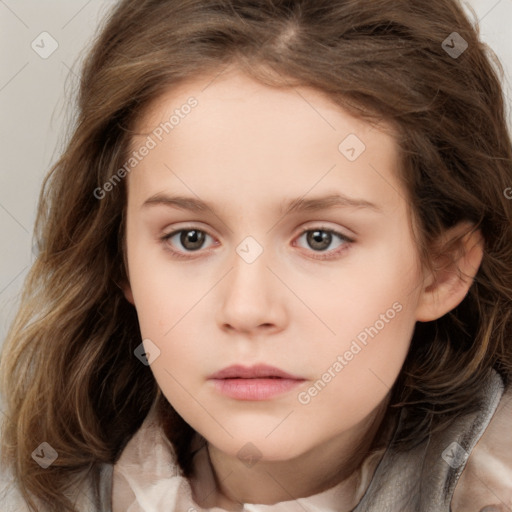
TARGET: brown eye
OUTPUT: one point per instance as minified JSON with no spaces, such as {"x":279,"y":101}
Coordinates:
{"x":318,"y":239}
{"x":190,"y":240}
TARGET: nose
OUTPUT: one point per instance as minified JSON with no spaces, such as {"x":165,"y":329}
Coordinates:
{"x":253,"y":299}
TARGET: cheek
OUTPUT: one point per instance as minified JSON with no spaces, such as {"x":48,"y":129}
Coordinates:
{"x":164,"y":293}
{"x":169,"y":300}
{"x":373,"y":323}
{"x":366,"y":356}
{"x":373,"y":297}
{"x":182,"y":362}
{"x":354,"y":378}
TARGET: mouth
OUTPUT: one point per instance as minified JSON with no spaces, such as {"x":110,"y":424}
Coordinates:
{"x":260,"y":382}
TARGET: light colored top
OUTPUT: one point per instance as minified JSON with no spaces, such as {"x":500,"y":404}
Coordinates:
{"x":465,"y":468}
{"x":154,"y":484}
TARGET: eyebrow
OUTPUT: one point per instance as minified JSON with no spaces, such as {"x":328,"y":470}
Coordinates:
{"x":290,"y":206}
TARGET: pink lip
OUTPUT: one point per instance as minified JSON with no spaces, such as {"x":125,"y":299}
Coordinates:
{"x":258,"y":382}
{"x":254,"y":372}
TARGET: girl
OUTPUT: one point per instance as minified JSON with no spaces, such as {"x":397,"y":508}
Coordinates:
{"x":275,"y":269}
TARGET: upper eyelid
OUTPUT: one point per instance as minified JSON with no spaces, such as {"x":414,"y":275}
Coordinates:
{"x":324,"y":228}
{"x":321,"y":227}
{"x":303,"y":230}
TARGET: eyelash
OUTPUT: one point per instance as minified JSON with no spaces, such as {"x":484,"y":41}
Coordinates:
{"x":332,"y":254}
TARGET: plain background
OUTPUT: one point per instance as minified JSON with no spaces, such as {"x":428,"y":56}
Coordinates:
{"x":34,"y":105}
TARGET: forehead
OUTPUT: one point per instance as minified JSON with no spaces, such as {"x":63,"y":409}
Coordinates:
{"x":242,"y":132}
{"x":237,"y":99}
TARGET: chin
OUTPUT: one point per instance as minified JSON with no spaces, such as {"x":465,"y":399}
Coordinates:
{"x":252,"y":445}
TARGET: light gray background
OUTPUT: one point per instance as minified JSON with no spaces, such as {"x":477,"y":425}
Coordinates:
{"x":34,"y":95}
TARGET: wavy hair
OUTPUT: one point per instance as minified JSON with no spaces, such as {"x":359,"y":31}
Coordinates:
{"x":68,"y":373}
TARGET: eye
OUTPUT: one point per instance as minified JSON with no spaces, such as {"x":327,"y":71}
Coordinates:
{"x":190,"y":239}
{"x":321,"y":238}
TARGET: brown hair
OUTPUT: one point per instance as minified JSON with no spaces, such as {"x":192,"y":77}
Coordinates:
{"x":69,"y":375}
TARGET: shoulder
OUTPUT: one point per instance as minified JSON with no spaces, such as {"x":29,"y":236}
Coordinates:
{"x":487,"y":477}
{"x":466,"y":466}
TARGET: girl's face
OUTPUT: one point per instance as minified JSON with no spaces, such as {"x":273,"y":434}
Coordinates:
{"x":223,"y":273}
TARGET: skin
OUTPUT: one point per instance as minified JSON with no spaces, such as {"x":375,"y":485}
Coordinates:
{"x":247,"y":148}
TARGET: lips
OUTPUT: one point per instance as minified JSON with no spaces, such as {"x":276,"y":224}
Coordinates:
{"x":260,"y":382}
{"x":261,"y":371}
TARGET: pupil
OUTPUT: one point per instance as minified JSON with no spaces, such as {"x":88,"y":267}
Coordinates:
{"x":192,"y":239}
{"x":319,"y":239}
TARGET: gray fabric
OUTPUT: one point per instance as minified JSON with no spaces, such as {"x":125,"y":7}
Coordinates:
{"x":105,"y":494}
{"x":419,"y":480}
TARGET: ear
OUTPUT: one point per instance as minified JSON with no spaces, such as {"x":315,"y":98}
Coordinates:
{"x":459,"y":255}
